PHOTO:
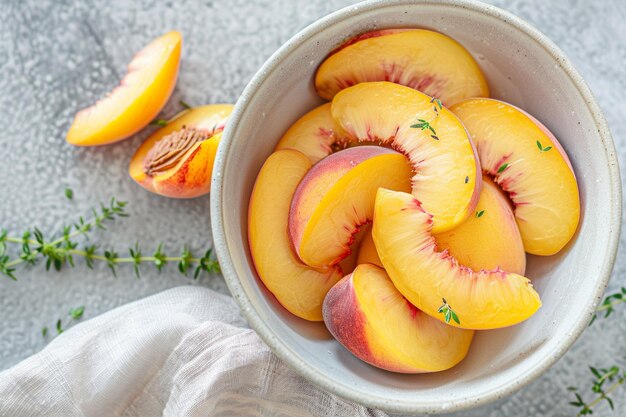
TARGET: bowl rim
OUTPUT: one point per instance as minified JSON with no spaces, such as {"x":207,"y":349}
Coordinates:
{"x":264,"y":330}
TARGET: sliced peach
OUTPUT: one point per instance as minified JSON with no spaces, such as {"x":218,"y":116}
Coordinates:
{"x":315,"y":134}
{"x":177,"y":160}
{"x":490,"y":239}
{"x":367,"y":251}
{"x":141,"y":95}
{"x":350,"y":262}
{"x":447,"y":176}
{"x":528,"y":162}
{"x":367,"y":315}
{"x":421,"y":59}
{"x":434,"y":281}
{"x":337,"y":196}
{"x":298,"y":288}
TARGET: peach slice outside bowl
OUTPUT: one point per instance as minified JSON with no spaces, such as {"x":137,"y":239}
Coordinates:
{"x":522,"y":67}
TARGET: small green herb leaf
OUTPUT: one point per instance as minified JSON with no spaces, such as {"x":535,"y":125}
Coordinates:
{"x":479,"y":214}
{"x":502,"y":168}
{"x":44,"y":331}
{"x":77,"y":313}
{"x":159,"y":122}
{"x":69,"y":193}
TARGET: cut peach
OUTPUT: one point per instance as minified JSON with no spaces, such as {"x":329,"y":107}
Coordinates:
{"x":367,"y":251}
{"x":490,"y":239}
{"x":337,"y":196}
{"x":434,"y":281}
{"x":141,"y":95}
{"x":315,"y":134}
{"x":367,"y":315}
{"x":529,"y":164}
{"x":421,"y":59}
{"x":298,"y":288}
{"x":447,"y":177}
{"x":177,"y":160}
{"x":350,"y":262}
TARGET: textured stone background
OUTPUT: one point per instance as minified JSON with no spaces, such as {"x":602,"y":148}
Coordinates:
{"x":58,"y":56}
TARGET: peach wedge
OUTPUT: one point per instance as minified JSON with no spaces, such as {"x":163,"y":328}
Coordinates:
{"x":434,"y":281}
{"x":177,"y":160}
{"x":367,"y":251}
{"x":490,"y":239}
{"x":421,"y":59}
{"x":315,"y":134}
{"x":141,"y":95}
{"x":528,"y":162}
{"x":298,"y":288}
{"x":368,"y":316}
{"x":447,"y":177}
{"x":337,"y":196}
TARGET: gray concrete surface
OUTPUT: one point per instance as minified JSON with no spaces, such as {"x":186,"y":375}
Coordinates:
{"x":58,"y":56}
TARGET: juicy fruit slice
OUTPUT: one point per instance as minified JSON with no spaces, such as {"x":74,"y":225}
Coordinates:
{"x":481,"y":300}
{"x":447,"y":176}
{"x":337,"y":196}
{"x":315,"y":134}
{"x":421,"y":59}
{"x":141,"y":95}
{"x":367,"y":251}
{"x":367,"y":315}
{"x":298,"y":288}
{"x":177,"y":160}
{"x":529,"y":164}
{"x":490,"y":239}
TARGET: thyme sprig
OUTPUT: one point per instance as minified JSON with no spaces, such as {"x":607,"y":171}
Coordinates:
{"x":60,"y":252}
{"x":423,"y":124}
{"x":74,"y":314}
{"x":608,"y":305}
{"x":447,"y":312}
{"x":605,"y":382}
{"x":542,"y":149}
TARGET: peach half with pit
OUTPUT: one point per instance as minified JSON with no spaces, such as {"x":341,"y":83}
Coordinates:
{"x":368,"y":316}
{"x":447,"y":177}
{"x":297,"y":287}
{"x":434,"y":281}
{"x":490,"y":239}
{"x":141,"y":95}
{"x":527,"y":161}
{"x":177,"y":160}
{"x":337,"y":196}
{"x":428,"y":61}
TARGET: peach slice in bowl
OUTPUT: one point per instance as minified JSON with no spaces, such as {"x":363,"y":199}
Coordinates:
{"x":425,"y":60}
{"x":570,"y":283}
{"x":368,"y":315}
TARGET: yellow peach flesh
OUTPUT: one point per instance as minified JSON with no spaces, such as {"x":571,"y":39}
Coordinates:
{"x":490,"y":239}
{"x":482,"y":300}
{"x":142,"y":93}
{"x":366,"y":314}
{"x":527,"y":161}
{"x":314,"y":134}
{"x":191,"y":177}
{"x":298,"y":288}
{"x":421,"y":59}
{"x":367,"y":251}
{"x":337,"y":196}
{"x":447,"y":178}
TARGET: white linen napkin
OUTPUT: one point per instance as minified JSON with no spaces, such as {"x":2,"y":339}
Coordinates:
{"x":185,"y":352}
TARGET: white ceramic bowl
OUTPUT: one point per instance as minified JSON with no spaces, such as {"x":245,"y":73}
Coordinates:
{"x":522,"y":67}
